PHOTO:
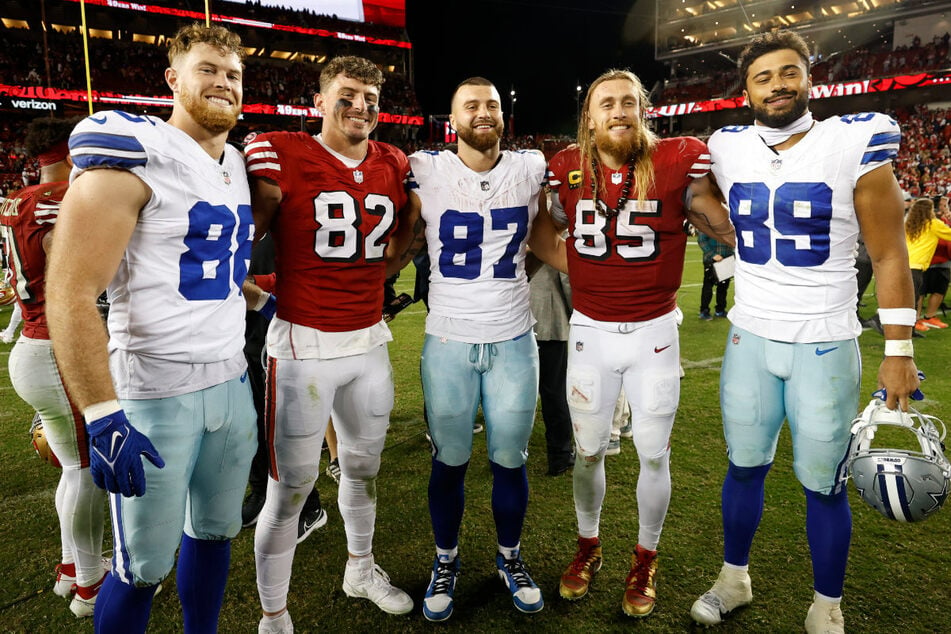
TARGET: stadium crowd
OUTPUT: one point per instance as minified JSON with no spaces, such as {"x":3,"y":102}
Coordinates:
{"x":859,"y":63}
{"x":254,"y":10}
{"x":126,"y":67}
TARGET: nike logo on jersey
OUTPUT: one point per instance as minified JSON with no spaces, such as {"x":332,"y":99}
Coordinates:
{"x":659,"y":350}
{"x":100,"y":120}
{"x":820,"y":352}
{"x":244,"y":377}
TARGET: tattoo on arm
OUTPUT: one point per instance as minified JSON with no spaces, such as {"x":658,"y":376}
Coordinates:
{"x":416,"y":243}
{"x":722,"y":231}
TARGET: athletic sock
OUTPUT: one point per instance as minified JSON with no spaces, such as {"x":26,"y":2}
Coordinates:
{"x":202,"y":574}
{"x":509,"y":503}
{"x":742,"y":506}
{"x":447,"y":501}
{"x":829,"y":528}
{"x":122,"y":607}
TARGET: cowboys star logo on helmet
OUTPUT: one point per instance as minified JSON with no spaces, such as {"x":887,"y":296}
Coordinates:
{"x":906,"y":485}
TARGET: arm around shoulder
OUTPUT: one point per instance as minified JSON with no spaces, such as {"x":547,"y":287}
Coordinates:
{"x":266,"y":197}
{"x":706,"y":211}
{"x":95,"y":224}
{"x":545,"y":239}
{"x":409,"y":237}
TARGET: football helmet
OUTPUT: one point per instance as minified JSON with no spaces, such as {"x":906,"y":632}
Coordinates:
{"x":7,"y":294}
{"x":902,"y":484}
{"x":40,"y":444}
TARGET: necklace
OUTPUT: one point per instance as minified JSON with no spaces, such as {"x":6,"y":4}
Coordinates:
{"x":602,"y":208}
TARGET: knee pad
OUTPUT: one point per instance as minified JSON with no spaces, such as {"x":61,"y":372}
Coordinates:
{"x":359,"y":465}
{"x":655,"y":462}
{"x":509,"y":458}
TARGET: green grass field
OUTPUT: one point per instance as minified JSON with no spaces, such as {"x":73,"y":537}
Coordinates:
{"x":899,"y":577}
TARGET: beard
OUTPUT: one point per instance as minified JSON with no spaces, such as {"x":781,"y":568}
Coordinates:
{"x":482,"y":140}
{"x":215,"y":120}
{"x":621,"y":149}
{"x":782,"y":119}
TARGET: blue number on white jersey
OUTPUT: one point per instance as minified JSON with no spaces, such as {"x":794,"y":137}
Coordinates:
{"x":801,"y":215}
{"x":205,"y":269}
{"x":462,"y":234}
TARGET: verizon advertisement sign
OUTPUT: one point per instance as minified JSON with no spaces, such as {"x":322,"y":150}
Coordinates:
{"x":40,"y":99}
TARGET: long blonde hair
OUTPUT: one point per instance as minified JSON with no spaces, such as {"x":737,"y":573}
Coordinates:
{"x":919,"y":217}
{"x":646,"y":139}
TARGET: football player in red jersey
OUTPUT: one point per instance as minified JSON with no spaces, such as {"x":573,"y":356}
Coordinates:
{"x":624,"y":196}
{"x":28,"y":217}
{"x":330,"y":202}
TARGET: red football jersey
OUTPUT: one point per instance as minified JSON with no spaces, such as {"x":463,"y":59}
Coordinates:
{"x":629,"y":267}
{"x":27,"y":216}
{"x":331,"y":229}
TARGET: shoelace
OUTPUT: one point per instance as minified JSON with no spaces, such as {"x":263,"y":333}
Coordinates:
{"x":445,"y":571}
{"x":581,"y":560}
{"x":641,"y":574}
{"x":517,"y":570}
{"x":378,"y":577}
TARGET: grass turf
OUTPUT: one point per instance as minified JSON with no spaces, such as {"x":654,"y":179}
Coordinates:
{"x":898,"y":578}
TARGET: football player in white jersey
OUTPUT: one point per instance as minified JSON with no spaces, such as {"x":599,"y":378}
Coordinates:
{"x":160,"y":214}
{"x":480,"y":208}
{"x":799,"y":191}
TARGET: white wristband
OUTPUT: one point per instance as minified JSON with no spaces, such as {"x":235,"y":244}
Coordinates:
{"x":897,"y":316}
{"x":262,"y":300}
{"x":899,"y":348}
{"x":100,"y":410}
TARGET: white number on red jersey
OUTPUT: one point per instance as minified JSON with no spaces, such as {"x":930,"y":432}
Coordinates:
{"x":338,"y":216}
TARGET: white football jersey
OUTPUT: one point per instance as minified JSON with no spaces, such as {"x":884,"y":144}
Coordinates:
{"x":795,"y":223}
{"x":477,"y":225}
{"x":176,"y":296}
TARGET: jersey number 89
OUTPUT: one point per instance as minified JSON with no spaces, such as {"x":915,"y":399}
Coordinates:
{"x":801,"y":215}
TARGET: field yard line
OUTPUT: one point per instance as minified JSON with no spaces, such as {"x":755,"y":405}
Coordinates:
{"x":702,"y":363}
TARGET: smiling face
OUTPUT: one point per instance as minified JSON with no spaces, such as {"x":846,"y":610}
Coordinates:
{"x":350,"y":109}
{"x":777,"y":87}
{"x":477,"y":116}
{"x":206,"y":82}
{"x":614,"y":118}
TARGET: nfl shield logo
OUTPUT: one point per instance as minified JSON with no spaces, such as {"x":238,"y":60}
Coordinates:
{"x":484,"y":185}
{"x":616,"y":178}
{"x":736,"y":339}
{"x":579,"y":346}
{"x":358,"y":176}
{"x":776,"y":163}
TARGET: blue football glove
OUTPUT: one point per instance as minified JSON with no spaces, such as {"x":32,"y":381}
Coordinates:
{"x":114,"y":450}
{"x":917,"y":395}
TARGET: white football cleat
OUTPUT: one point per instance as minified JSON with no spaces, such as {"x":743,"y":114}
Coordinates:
{"x":731,"y":590}
{"x":824,"y":617}
{"x":363,"y":579}
{"x":276,"y":624}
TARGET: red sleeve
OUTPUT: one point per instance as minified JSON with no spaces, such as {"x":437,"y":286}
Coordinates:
{"x":266,"y":282}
